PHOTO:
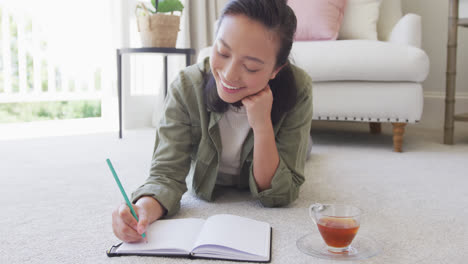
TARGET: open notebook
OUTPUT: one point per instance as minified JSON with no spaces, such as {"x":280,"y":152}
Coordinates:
{"x":220,"y":236}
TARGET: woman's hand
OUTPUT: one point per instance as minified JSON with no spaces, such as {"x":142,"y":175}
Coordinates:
{"x":265,"y":156}
{"x":126,"y":227}
{"x":258,"y":107}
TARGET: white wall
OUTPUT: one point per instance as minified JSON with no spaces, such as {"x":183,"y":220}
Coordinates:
{"x":434,"y":15}
{"x":435,"y":29}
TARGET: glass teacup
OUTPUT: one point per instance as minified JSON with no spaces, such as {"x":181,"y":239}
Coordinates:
{"x":337,"y":224}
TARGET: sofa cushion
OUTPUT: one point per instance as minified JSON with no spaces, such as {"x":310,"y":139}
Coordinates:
{"x":360,"y":60}
{"x":360,"y":20}
{"x":318,"y":19}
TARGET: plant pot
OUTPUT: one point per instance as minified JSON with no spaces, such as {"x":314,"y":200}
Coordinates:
{"x":158,"y":30}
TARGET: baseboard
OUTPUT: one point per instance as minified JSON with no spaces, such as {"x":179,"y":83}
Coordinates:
{"x":434,"y":108}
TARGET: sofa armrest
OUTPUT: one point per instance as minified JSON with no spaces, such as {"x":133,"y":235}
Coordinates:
{"x":407,"y":31}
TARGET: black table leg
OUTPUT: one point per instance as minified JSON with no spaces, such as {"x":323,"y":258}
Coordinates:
{"x":165,"y":76}
{"x":187,"y":59}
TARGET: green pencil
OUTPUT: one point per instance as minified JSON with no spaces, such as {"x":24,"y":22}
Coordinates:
{"x":123,"y":192}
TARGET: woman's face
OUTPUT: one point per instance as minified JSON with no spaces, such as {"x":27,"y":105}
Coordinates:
{"x":243,"y":58}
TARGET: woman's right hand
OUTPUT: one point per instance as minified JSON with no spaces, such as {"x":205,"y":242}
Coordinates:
{"x":126,"y":227}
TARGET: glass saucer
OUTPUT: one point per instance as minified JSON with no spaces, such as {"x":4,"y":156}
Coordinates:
{"x":362,"y":248}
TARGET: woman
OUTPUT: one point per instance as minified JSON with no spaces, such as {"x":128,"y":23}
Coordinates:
{"x":240,"y":118}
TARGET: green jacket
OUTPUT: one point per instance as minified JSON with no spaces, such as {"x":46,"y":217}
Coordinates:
{"x":188,"y":144}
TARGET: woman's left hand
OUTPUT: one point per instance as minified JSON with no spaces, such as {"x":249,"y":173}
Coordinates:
{"x":258,"y":107}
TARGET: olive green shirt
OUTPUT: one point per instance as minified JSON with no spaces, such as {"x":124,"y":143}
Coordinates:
{"x":188,"y":144}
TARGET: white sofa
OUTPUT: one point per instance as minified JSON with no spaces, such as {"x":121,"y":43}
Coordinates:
{"x":367,"y":80}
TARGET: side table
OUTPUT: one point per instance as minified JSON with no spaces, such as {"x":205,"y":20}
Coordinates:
{"x":165,"y":51}
{"x":450,"y":116}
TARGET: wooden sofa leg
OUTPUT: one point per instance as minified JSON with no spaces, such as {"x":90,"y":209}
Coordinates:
{"x":398,"y":131}
{"x":375,"y":128}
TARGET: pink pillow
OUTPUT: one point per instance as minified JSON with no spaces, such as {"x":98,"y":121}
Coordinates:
{"x":318,"y":19}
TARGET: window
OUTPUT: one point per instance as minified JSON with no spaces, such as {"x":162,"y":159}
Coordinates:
{"x":55,"y":52}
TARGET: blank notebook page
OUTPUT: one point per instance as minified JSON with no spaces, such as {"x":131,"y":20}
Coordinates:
{"x":232,"y":231}
{"x":168,"y":234}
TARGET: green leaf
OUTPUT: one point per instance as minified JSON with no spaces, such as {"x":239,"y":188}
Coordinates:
{"x":166,"y":6}
{"x":153,"y":2}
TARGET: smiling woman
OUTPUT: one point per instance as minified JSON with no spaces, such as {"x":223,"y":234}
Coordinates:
{"x":241,"y":119}
{"x":246,"y":59}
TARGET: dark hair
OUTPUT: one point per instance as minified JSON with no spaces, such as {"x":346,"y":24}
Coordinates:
{"x":277,"y":16}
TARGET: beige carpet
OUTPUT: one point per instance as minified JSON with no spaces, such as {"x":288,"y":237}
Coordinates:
{"x":56,"y":196}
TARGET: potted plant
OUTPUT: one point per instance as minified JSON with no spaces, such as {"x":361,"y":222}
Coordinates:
{"x":157,"y":24}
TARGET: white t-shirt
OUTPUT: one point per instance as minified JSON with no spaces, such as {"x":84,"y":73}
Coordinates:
{"x":234,"y":128}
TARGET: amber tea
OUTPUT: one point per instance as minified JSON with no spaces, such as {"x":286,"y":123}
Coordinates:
{"x":338,"y":232}
{"x":337,"y":224}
